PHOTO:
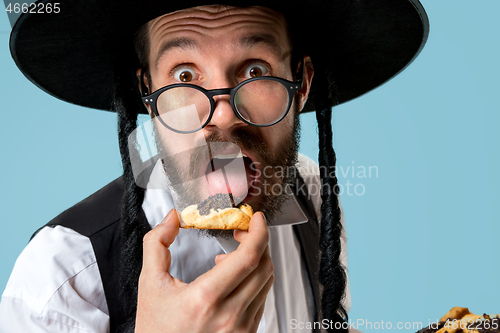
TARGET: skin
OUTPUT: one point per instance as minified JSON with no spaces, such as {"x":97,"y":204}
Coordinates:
{"x":231,"y":296}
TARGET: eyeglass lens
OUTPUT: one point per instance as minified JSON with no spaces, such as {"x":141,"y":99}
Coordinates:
{"x":183,"y":108}
{"x":260,"y":102}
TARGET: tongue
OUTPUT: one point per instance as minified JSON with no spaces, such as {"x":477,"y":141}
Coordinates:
{"x":228,"y":178}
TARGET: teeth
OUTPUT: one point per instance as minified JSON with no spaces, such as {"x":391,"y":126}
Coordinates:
{"x":230,"y":156}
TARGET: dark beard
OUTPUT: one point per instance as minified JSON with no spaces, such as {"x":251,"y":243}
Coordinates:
{"x":272,"y":188}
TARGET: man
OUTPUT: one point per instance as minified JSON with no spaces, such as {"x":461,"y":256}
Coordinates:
{"x":100,"y":266}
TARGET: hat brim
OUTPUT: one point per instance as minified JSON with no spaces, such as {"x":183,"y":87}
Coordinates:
{"x":72,"y":54}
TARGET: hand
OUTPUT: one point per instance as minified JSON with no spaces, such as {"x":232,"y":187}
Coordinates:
{"x":228,"y":298}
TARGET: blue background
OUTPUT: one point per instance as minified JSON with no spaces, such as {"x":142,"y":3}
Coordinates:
{"x":422,"y":238}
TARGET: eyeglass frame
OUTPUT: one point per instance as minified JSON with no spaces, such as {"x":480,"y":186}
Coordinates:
{"x":291,"y":87}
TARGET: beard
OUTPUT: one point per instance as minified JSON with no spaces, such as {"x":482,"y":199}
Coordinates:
{"x":268,"y":193}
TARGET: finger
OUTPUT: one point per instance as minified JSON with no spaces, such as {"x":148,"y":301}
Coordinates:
{"x":219,"y":258}
{"x":258,"y":317}
{"x":236,"y":266}
{"x":156,"y":256}
{"x":251,"y":287}
{"x":255,"y":310}
{"x":259,"y":302}
{"x":239,"y":235}
{"x":250,"y":239}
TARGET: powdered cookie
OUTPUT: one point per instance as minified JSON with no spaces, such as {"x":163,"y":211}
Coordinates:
{"x":461,"y":320}
{"x":217,"y":212}
{"x":455,"y":313}
{"x":483,"y":324}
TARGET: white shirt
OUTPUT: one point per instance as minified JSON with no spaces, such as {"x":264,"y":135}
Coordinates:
{"x":56,"y":286}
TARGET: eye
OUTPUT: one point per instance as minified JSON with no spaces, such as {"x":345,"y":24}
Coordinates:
{"x":255,"y":70}
{"x":184,"y":74}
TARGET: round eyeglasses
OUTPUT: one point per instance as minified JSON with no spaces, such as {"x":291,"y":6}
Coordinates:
{"x":260,"y":101}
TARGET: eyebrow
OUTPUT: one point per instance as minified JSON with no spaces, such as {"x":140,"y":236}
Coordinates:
{"x":267,"y":39}
{"x":183,"y":43}
{"x":246,"y":42}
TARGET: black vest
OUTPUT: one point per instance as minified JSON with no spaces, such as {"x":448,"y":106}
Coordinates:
{"x":98,"y":217}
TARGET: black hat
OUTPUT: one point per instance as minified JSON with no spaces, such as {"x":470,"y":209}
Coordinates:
{"x":72,"y":54}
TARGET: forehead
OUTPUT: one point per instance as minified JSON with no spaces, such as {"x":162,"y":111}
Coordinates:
{"x":219,"y":25}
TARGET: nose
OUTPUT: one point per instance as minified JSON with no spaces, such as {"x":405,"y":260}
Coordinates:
{"x":224,"y":117}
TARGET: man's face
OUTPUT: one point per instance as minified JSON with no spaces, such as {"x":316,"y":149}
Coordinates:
{"x":219,"y":47}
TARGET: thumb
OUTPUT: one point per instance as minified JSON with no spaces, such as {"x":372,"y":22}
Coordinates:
{"x":257,"y":222}
{"x":156,"y":256}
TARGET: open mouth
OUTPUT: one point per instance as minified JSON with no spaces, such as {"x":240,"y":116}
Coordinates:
{"x":231,"y":171}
